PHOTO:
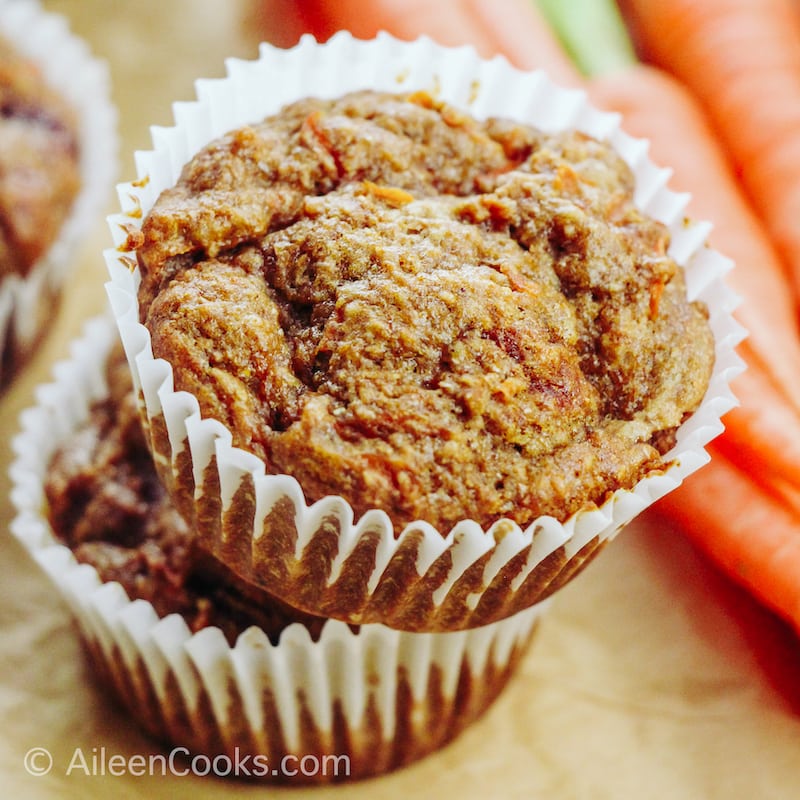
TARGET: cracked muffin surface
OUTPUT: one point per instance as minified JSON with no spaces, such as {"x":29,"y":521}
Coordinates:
{"x":422,"y":312}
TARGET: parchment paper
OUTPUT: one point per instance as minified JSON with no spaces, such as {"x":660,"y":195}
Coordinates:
{"x":651,"y":678}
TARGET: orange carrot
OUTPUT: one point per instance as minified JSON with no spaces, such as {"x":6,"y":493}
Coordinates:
{"x":741,"y":58}
{"x":513,"y":28}
{"x":743,"y":509}
{"x":753,"y":537}
{"x":762,"y":437}
{"x":278,"y":21}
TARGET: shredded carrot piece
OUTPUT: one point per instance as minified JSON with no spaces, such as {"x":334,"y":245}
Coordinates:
{"x":423,"y":98}
{"x":656,"y":290}
{"x":136,"y":211}
{"x":312,"y":123}
{"x":134,"y":238}
{"x":566,"y":179}
{"x":129,"y":262}
{"x":391,"y":194}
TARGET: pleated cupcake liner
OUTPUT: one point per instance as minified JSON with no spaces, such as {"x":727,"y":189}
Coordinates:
{"x":318,"y":557}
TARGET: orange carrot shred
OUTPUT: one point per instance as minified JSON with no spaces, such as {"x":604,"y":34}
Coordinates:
{"x":422,"y":98}
{"x":656,"y":290}
{"x":391,"y":194}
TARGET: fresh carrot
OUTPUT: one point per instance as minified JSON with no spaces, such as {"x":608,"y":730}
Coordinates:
{"x":743,"y":509}
{"x":749,"y":534}
{"x":278,"y":21}
{"x":765,"y":430}
{"x":741,"y":58}
{"x":762,"y":437}
{"x":513,"y":28}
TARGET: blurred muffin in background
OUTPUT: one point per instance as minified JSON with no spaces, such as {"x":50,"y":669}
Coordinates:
{"x":57,"y":163}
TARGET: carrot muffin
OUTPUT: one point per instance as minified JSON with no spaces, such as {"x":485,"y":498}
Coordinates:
{"x":437,"y":316}
{"x":39,"y":163}
{"x":399,"y":363}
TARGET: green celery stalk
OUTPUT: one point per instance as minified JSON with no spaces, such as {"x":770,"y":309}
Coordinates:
{"x":592,"y":32}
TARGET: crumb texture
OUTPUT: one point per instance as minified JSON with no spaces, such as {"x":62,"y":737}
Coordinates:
{"x":423,"y":312}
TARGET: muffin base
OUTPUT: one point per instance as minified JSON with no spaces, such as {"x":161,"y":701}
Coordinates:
{"x":348,"y":750}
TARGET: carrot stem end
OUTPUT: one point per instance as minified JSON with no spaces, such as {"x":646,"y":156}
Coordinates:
{"x":592,"y":32}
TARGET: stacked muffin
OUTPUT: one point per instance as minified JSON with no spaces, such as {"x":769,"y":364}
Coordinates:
{"x":402,"y":360}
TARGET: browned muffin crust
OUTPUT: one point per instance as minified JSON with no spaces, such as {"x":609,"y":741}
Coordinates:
{"x":425,"y":313}
{"x":106,"y":504}
{"x":39,"y":167}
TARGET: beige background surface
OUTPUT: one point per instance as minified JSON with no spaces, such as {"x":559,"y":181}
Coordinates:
{"x":652,"y":678}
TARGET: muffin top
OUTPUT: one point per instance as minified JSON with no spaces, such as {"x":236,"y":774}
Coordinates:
{"x":422,"y":312}
{"x":39,"y":163}
{"x":106,"y":504}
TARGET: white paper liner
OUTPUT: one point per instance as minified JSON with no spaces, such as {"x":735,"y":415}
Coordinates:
{"x":317,"y":557}
{"x":378,"y":696}
{"x":26,"y":303}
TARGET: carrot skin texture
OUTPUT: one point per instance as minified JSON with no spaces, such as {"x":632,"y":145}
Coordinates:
{"x":752,"y":536}
{"x":762,"y":437}
{"x":741,"y":59}
{"x":279,"y":21}
{"x":513,"y":28}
